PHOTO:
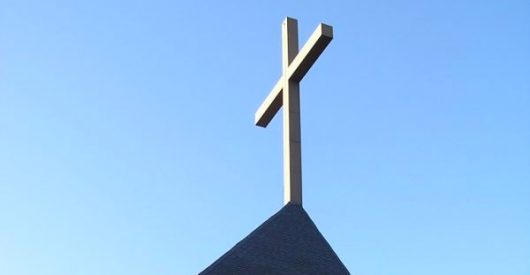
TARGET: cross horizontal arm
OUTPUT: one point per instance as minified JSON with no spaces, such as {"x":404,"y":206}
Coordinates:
{"x":315,"y":45}
{"x":298,"y":68}
{"x":270,"y":105}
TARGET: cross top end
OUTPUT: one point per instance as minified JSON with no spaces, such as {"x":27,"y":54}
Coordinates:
{"x":327,"y":30}
{"x":286,"y":93}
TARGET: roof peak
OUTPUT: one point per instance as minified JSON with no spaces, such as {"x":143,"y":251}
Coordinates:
{"x":286,"y":243}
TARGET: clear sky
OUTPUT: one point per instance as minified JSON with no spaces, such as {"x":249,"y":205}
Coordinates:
{"x":127,"y":143}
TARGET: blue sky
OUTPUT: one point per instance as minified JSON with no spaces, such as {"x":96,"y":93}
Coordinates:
{"x":127,"y":143}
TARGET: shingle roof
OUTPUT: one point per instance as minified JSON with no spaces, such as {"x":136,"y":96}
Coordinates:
{"x":287,"y":243}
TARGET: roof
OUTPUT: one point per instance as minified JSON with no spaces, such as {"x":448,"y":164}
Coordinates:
{"x":286,"y":243}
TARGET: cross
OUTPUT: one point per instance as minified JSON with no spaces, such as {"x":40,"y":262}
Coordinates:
{"x":286,"y":93}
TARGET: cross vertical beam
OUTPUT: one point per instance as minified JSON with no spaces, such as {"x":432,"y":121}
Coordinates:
{"x":292,"y":159}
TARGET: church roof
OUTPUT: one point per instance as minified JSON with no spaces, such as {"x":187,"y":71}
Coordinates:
{"x":287,"y":243}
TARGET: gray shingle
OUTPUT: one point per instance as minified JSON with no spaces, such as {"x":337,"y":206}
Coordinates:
{"x":287,"y":243}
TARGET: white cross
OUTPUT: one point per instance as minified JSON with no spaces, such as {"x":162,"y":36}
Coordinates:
{"x":286,"y":93}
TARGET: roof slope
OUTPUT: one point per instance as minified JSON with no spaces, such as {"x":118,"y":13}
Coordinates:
{"x":287,"y":243}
